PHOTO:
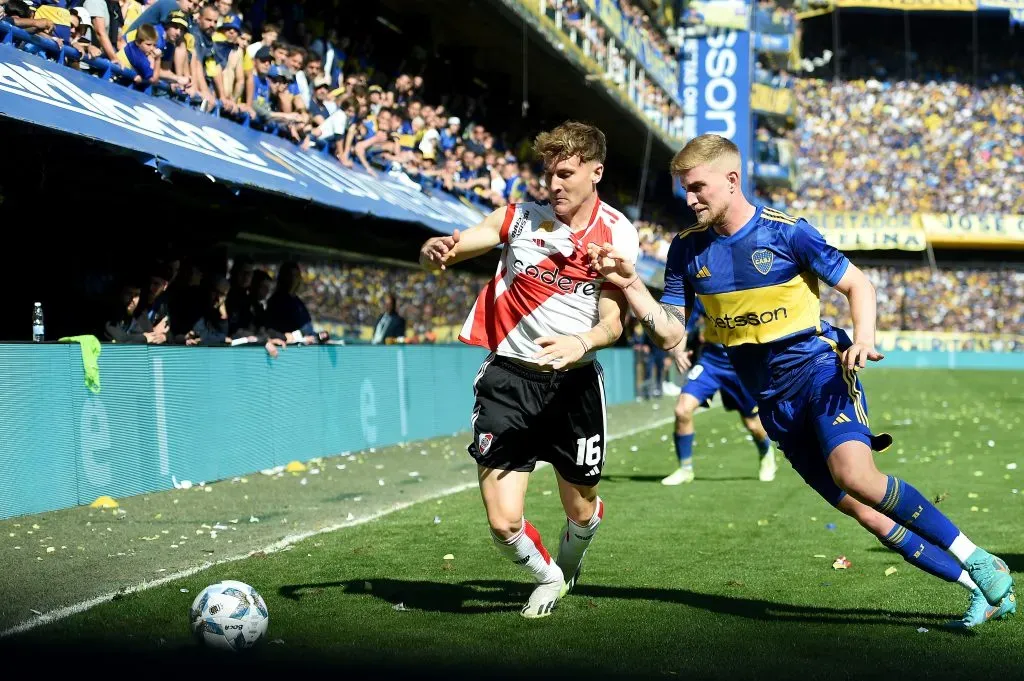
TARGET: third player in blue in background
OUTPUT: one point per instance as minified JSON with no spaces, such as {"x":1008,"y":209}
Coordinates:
{"x":710,"y":374}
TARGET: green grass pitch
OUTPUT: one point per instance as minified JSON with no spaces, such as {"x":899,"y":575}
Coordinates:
{"x":726,"y":577}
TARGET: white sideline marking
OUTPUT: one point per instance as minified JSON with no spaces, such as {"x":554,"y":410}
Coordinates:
{"x":63,"y":613}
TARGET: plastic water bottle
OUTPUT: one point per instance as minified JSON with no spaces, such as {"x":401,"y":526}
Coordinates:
{"x":38,"y":330}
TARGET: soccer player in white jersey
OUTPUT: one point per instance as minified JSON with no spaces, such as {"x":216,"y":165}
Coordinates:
{"x":540,"y":393}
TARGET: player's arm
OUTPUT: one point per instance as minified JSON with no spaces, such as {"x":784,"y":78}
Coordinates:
{"x":561,"y":351}
{"x":664,"y":322}
{"x":441,"y":251}
{"x":860,"y":293}
{"x":814,"y":254}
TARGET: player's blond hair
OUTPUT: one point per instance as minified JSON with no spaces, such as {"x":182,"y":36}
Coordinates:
{"x":703,"y":150}
{"x":570,"y":139}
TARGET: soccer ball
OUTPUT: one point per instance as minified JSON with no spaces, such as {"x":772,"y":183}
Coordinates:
{"x":229,"y":615}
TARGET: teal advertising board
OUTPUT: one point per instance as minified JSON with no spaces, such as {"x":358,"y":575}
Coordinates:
{"x":213,"y":413}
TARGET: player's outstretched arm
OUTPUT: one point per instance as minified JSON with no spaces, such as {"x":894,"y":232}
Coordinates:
{"x":861,"y":295}
{"x":441,"y":251}
{"x":665,"y":324}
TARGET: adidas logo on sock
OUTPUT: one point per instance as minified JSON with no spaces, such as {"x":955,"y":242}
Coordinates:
{"x":842,"y":418}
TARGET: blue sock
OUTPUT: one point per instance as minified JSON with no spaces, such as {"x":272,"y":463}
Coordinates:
{"x":923,"y":554}
{"x":762,"y":445}
{"x":684,"y":449}
{"x":908,"y":507}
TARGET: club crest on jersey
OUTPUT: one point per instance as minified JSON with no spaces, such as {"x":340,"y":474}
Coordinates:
{"x":547,"y":225}
{"x":762,"y":259}
{"x":483,"y":443}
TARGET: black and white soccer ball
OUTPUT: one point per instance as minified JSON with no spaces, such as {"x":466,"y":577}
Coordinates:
{"x":229,"y":615}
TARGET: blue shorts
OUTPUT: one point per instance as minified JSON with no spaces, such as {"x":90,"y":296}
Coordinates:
{"x":829,"y":409}
{"x":714,"y":372}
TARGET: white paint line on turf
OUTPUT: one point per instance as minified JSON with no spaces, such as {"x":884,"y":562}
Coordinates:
{"x":82,"y":606}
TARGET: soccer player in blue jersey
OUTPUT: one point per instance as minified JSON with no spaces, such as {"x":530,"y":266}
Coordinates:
{"x":756,"y":271}
{"x":714,"y":373}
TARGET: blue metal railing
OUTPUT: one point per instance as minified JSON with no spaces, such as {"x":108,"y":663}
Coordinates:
{"x":112,"y":71}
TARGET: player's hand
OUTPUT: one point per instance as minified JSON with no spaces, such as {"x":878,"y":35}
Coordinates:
{"x":683,"y":359}
{"x":436,"y":253}
{"x":611,"y":264}
{"x":559,"y":351}
{"x":857,"y":356}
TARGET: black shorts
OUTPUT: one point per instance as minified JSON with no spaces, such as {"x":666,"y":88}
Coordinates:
{"x":523,"y":416}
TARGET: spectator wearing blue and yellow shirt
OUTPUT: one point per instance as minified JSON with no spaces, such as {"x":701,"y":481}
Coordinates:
{"x":172,"y":56}
{"x":228,"y":69}
{"x":450,"y":135}
{"x":257,"y":88}
{"x":283,"y":104}
{"x":202,"y":65}
{"x":140,"y":55}
{"x":377,"y":139}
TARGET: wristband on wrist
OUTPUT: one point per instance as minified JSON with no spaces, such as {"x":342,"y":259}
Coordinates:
{"x":583,"y":342}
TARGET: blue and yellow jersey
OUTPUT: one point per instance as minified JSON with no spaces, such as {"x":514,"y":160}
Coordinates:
{"x":759,"y":290}
{"x":261,"y":89}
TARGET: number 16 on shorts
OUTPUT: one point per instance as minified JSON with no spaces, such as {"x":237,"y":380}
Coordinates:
{"x":589,"y":451}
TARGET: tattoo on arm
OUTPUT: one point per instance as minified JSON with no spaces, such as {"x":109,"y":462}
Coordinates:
{"x":674,"y":312}
{"x":608,"y":332}
{"x":648,"y":322}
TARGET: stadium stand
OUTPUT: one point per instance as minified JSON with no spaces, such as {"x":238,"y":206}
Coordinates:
{"x":324,"y":91}
{"x":938,"y":140}
{"x":940,"y":145}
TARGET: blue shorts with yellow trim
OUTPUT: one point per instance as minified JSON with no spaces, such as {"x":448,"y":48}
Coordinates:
{"x":710,"y":375}
{"x":829,"y":410}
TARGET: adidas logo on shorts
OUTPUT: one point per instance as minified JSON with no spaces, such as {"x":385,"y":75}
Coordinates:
{"x":593,"y":471}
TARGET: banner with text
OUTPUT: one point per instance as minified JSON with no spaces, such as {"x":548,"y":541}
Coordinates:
{"x":998,"y":231}
{"x":716,"y":83}
{"x":165,"y":134}
{"x":876,"y":239}
{"x":948,"y":341}
{"x":769,"y":100}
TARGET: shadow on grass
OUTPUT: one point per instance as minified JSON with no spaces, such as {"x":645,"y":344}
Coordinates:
{"x":490,"y":596}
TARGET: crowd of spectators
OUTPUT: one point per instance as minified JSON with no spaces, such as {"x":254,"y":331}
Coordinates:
{"x":910,"y":298}
{"x":317,"y":87}
{"x":896,"y":147}
{"x":586,"y":30}
{"x":350,"y":297}
{"x":209,"y":302}
{"x":951,"y":299}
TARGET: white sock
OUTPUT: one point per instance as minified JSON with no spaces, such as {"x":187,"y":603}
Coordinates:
{"x":576,"y":540}
{"x":962,"y":548}
{"x":527,"y":550}
{"x":966,"y":582}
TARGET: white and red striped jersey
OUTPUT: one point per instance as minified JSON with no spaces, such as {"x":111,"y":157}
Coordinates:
{"x":544,"y":285}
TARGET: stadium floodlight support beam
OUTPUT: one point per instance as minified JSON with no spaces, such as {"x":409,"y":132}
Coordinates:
{"x":643,"y":174}
{"x":974,"y":46}
{"x":835,"y":44}
{"x":906,"y":44}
